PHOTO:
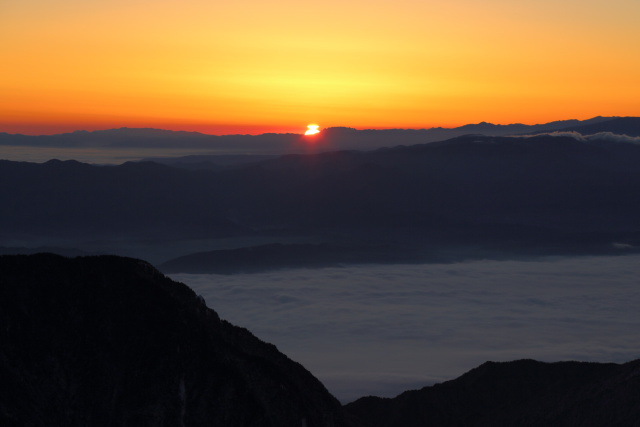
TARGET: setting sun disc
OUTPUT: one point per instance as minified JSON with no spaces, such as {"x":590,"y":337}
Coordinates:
{"x":312,"y":130}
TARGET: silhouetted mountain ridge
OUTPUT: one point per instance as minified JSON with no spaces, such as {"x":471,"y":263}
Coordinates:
{"x":111,"y":341}
{"x":334,"y":138}
{"x":553,"y":193}
{"x":618,"y":125}
{"x":519,"y":393}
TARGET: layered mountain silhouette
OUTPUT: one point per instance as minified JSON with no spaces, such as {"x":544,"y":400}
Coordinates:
{"x":330,"y":139}
{"x":157,"y":139}
{"x":111,"y":341}
{"x":621,"y":125}
{"x":469,"y":195}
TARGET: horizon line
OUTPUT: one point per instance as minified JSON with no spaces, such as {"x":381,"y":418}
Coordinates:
{"x":301,"y":132}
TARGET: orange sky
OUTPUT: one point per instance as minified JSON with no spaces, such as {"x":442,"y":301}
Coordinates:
{"x":254,"y":66}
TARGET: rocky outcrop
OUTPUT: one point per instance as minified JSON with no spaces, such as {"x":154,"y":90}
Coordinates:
{"x":110,"y":341}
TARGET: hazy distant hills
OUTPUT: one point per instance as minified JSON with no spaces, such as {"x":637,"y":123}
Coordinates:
{"x":622,"y":125}
{"x":538,"y":195}
{"x":518,"y":128}
{"x":543,"y":194}
{"x":134,"y":199}
{"x":336,"y":138}
{"x":158,"y":139}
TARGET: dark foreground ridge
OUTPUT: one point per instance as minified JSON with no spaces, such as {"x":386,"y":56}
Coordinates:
{"x":520,"y":393}
{"x":98,"y":341}
{"x":105,"y":340}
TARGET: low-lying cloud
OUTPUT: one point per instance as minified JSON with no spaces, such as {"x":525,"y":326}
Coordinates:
{"x":600,"y":136}
{"x":384,"y":329}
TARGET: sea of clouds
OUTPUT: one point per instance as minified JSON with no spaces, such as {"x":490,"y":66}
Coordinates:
{"x":380,"y":330}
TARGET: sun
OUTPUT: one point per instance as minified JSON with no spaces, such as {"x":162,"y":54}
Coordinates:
{"x":312,"y":130}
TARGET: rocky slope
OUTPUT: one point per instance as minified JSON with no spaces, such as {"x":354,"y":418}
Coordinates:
{"x":111,"y":341}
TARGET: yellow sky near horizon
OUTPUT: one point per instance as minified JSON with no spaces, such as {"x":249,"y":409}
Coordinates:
{"x":259,"y":66}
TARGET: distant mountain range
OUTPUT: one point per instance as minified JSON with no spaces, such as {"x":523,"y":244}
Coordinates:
{"x":467,"y":197}
{"x":330,"y":139}
{"x":105,"y":341}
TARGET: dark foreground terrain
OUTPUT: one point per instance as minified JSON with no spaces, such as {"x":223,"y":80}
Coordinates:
{"x":106,"y":340}
{"x":520,"y":393}
{"x":100,"y":341}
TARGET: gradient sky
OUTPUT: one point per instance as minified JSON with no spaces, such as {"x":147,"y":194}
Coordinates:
{"x":254,"y":66}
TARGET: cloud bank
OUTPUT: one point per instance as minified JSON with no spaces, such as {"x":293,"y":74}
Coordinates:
{"x":384,"y":329}
{"x":600,"y":136}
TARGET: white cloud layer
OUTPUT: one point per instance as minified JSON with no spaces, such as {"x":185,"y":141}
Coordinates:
{"x":383,"y":329}
{"x":600,"y":136}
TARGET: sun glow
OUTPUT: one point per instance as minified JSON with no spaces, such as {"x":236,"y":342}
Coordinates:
{"x":312,"y":130}
{"x":225,"y":68}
